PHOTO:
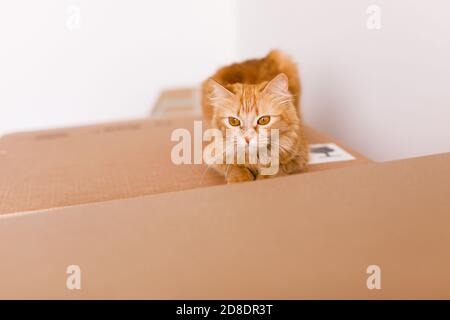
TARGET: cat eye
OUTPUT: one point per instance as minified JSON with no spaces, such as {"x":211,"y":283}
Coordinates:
{"x":234,"y":121}
{"x":263,"y":120}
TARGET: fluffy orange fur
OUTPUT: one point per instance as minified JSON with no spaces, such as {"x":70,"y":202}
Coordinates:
{"x":241,"y":94}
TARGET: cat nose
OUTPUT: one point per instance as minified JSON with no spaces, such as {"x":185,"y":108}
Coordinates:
{"x":247,"y":137}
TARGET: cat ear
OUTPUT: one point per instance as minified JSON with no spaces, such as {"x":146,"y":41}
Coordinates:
{"x":278,"y":85}
{"x":217,"y":91}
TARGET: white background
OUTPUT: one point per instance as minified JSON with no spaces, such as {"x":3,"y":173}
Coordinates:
{"x":113,"y":67}
{"x":383,"y":92}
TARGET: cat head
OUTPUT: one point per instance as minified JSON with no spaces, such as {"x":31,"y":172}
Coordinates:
{"x":245,"y":110}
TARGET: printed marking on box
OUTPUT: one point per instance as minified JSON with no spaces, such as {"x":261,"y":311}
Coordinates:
{"x":327,"y":152}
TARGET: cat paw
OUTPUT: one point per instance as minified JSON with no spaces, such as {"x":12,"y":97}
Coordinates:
{"x":263,"y":177}
{"x":240,"y":175}
{"x":296,"y":165}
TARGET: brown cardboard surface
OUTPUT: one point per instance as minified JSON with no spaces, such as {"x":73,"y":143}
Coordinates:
{"x":64,"y":167}
{"x":302,"y":236}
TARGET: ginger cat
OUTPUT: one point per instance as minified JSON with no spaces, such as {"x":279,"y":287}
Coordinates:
{"x":244,"y":98}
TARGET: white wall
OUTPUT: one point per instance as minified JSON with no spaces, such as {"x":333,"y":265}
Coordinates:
{"x":384,"y":92}
{"x":113,"y":66}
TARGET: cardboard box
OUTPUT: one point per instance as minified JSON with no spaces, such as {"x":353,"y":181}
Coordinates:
{"x":108,"y":200}
{"x":178,"y":102}
{"x":305,"y":236}
{"x":73,"y":166}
